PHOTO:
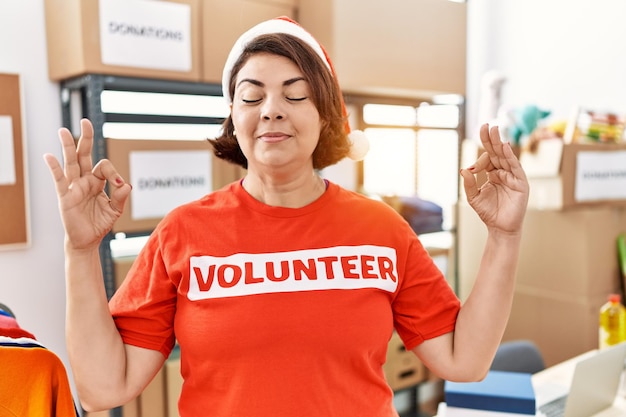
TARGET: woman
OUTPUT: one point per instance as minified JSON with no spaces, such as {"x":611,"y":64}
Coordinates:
{"x":282,"y":289}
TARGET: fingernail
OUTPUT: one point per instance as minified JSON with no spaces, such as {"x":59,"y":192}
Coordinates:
{"x":119,"y":181}
{"x":471,"y":168}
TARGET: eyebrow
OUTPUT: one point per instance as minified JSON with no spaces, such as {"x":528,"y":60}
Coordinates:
{"x":260,"y":84}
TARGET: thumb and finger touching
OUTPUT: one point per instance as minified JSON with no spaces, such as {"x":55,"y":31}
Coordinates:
{"x":88,"y":213}
{"x":506,"y":187}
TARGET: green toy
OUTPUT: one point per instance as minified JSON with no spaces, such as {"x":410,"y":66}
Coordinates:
{"x":525,"y":120}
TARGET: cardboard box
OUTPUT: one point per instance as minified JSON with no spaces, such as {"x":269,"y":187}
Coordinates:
{"x":576,"y":175}
{"x":153,"y":399}
{"x":121,"y":267}
{"x":173,"y":384}
{"x":568,"y":265}
{"x":119,"y":151}
{"x":594,"y":174}
{"x":572,"y":253}
{"x":223,"y":21}
{"x":402,"y":368}
{"x":132,"y":409}
{"x":371,"y":55}
{"x":562,"y":326}
{"x":124,"y":37}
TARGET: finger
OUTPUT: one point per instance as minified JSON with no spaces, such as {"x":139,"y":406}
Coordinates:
{"x":497,"y":145}
{"x":119,"y":190}
{"x":118,"y":196}
{"x":85,"y":146}
{"x":71,"y":168}
{"x":483,"y":163}
{"x":469,"y":184}
{"x":485,"y":138}
{"x":60,"y":182}
{"x":501,"y":149}
{"x":490,"y":138}
{"x":104,"y":170}
{"x":515,"y":166}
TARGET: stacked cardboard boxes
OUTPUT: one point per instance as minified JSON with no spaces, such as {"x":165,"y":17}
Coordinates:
{"x":123,"y":38}
{"x":568,"y":261}
{"x":130,"y":38}
{"x":186,"y":40}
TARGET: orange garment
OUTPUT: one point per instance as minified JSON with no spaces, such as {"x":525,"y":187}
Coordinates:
{"x":279,"y":311}
{"x":33,"y":380}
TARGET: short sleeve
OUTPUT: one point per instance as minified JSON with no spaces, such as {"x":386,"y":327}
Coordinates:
{"x":425,"y":306}
{"x":143,"y":307}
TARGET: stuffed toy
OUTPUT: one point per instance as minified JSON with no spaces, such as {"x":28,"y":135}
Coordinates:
{"x":524,"y":121}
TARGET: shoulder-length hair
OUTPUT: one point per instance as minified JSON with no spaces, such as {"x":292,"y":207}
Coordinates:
{"x":333,"y":144}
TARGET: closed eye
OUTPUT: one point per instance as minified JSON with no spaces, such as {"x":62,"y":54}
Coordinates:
{"x":251,"y":101}
{"x":296,"y":98}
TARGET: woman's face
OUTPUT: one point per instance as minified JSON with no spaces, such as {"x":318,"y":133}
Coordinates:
{"x":276,"y":123}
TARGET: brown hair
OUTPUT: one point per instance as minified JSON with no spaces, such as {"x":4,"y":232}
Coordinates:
{"x":333,"y":144}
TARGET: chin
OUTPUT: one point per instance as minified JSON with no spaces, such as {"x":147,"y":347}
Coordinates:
{"x":280,"y":161}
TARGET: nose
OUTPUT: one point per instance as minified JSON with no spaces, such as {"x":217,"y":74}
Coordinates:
{"x":272,"y":108}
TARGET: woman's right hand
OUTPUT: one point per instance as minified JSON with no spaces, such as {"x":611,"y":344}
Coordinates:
{"x":88,"y":213}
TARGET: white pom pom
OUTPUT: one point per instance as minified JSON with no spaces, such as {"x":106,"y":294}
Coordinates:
{"x":359,"y":145}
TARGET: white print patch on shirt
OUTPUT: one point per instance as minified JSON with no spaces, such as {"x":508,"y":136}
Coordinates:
{"x":340,"y":267}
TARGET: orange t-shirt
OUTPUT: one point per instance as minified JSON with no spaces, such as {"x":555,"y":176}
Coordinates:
{"x":283,"y":312}
{"x":34,"y":381}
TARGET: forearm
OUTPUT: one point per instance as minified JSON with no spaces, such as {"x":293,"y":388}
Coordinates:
{"x":95,"y":348}
{"x":482,"y":319}
{"x":467,"y":353}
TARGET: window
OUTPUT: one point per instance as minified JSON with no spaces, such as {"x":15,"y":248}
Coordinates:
{"x":414,"y":148}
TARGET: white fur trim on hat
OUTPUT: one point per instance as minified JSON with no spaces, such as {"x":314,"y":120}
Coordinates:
{"x":278,"y":25}
{"x":359,"y":145}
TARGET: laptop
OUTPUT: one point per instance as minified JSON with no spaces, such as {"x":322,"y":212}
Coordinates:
{"x":594,"y":386}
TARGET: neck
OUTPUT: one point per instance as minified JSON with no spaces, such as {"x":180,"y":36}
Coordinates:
{"x":290,"y":192}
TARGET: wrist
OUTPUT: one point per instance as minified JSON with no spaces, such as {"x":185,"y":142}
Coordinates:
{"x":504,"y":235}
{"x":71,"y":249}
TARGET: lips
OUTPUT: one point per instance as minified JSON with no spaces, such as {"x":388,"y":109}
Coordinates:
{"x":274,"y":137}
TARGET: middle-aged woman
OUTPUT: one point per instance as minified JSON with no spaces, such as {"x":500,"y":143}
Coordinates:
{"x":282,"y":289}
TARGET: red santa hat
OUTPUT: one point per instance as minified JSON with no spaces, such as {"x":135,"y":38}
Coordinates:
{"x":359,"y":142}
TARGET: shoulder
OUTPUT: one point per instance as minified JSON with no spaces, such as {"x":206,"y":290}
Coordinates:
{"x":190,"y":214}
{"x":224,"y":197}
{"x":369,"y":205}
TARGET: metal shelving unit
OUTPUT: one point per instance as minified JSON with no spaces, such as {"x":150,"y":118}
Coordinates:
{"x":81,"y":98}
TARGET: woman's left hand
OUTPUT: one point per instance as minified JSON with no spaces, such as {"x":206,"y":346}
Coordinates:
{"x":501,"y":201}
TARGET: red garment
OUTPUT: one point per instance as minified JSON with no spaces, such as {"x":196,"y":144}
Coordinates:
{"x":283,"y":312}
{"x":10,"y":328}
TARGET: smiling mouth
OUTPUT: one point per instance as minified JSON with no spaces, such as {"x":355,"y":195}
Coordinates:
{"x":274,"y":138}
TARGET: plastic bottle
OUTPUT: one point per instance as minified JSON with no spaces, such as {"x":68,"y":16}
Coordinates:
{"x":612,"y":322}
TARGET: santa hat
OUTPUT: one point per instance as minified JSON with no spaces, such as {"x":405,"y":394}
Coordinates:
{"x":359,"y":142}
